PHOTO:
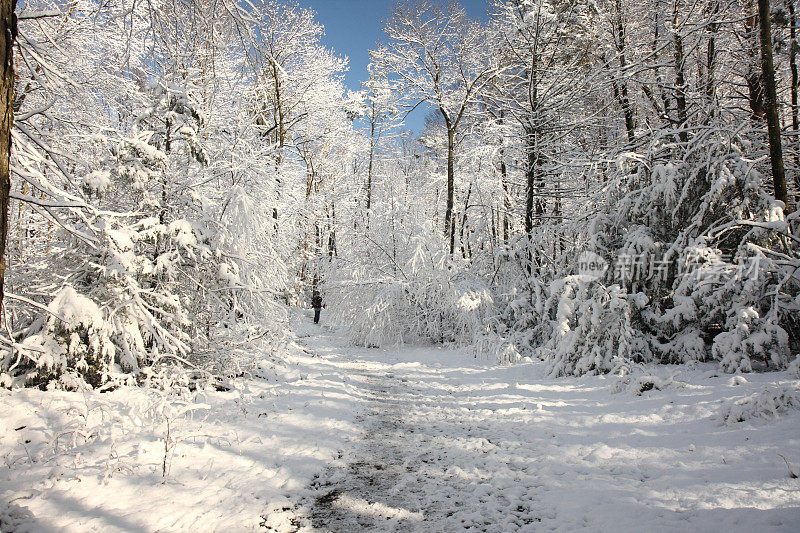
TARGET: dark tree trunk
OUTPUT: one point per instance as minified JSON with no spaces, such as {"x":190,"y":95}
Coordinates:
{"x":755,"y":92}
{"x":280,"y":133}
{"x":506,"y":198}
{"x":449,"y":225}
{"x":680,"y":78}
{"x":504,"y":183}
{"x":711,"y":57}
{"x":464,"y":225}
{"x":530,"y":184}
{"x":793,"y":66}
{"x":332,"y":235}
{"x":624,"y":100}
{"x":771,"y":106}
{"x":162,"y":214}
{"x":534,"y":184}
{"x":8,"y":27}
{"x":371,"y":157}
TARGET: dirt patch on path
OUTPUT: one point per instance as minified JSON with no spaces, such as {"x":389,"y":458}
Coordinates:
{"x":365,"y":491}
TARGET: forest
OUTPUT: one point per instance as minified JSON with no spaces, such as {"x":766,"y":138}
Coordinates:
{"x":601,"y":188}
{"x":182,"y":172}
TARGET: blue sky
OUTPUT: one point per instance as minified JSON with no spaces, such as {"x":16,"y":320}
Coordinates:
{"x":353,"y":26}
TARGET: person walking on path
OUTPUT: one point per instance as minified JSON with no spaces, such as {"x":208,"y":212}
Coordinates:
{"x":316,"y":303}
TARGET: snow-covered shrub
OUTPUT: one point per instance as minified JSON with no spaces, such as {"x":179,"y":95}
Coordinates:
{"x":794,"y":367}
{"x":726,"y":303}
{"x":750,"y":337}
{"x":15,"y":517}
{"x":768,"y":404}
{"x":592,"y":329}
{"x":684,"y":283}
{"x":72,"y":337}
{"x":638,"y":383}
{"x":706,"y":241}
{"x":521,"y":325}
{"x":431,"y":304}
{"x":685,"y":346}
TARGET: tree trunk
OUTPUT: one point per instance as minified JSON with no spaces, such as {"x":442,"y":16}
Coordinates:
{"x":162,"y":214}
{"x":449,"y":226}
{"x":755,"y":92}
{"x":711,"y":57}
{"x":680,"y":78}
{"x":8,"y":27}
{"x":534,"y":183}
{"x":793,"y":66}
{"x":530,"y":183}
{"x":332,"y":234}
{"x":506,"y":198}
{"x":771,"y":106}
{"x":371,"y":156}
{"x":623,"y":89}
{"x":654,"y":51}
{"x":504,"y":183}
{"x":280,"y":134}
{"x":464,"y":225}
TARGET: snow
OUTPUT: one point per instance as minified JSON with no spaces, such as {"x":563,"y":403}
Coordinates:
{"x":93,"y":462}
{"x":75,"y":309}
{"x":420,"y":439}
{"x":182,"y":233}
{"x":97,"y":181}
{"x":770,"y":403}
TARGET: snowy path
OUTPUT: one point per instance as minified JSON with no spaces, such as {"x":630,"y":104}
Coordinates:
{"x":451,"y":443}
{"x":372,"y":471}
{"x":423,"y":461}
{"x":334,"y":438}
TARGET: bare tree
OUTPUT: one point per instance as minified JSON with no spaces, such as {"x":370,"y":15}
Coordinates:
{"x":548,"y":70}
{"x":621,"y":87}
{"x":440,"y":58}
{"x":380,"y":113}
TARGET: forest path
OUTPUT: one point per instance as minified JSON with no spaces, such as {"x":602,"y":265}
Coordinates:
{"x":426,"y":460}
{"x":442,"y":441}
{"x":367,"y":485}
{"x":328,"y":437}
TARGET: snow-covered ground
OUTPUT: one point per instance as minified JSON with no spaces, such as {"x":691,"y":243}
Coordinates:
{"x":429,"y":439}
